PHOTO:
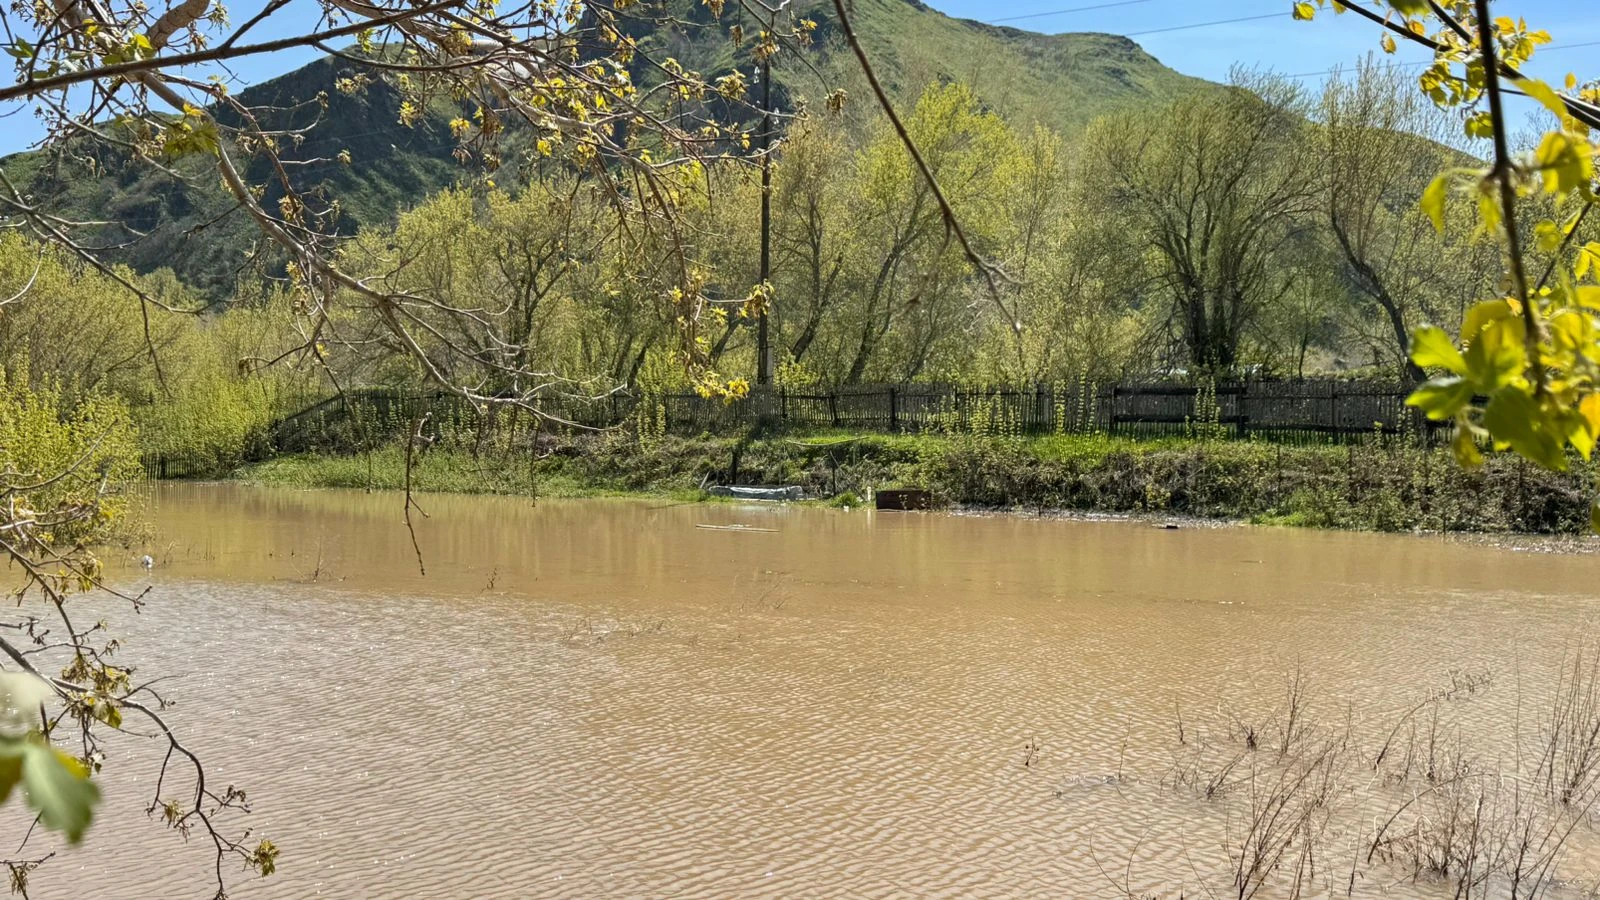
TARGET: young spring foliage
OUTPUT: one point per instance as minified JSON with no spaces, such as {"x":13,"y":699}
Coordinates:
{"x":58,"y":469}
{"x":55,"y":785}
{"x":1523,"y":373}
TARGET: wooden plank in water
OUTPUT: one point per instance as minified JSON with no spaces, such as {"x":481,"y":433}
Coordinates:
{"x":904,"y":500}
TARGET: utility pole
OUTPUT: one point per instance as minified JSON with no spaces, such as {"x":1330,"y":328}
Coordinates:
{"x":763,"y":346}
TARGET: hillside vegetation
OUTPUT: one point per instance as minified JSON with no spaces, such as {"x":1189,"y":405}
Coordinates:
{"x":190,"y":226}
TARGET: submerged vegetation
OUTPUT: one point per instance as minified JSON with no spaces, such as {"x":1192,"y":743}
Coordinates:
{"x":1322,"y":801}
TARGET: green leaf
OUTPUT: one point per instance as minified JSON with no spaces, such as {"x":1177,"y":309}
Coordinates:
{"x":1481,"y":314}
{"x":1480,"y":125}
{"x":1515,"y":420}
{"x":1489,"y":211}
{"x":1594,"y":517}
{"x":1433,"y":200}
{"x":1545,"y":94}
{"x":1578,"y":434}
{"x":108,"y":713}
{"x":1432,"y":348}
{"x":58,"y":788}
{"x":1586,"y":259}
{"x":1589,"y":412}
{"x":1442,"y":398}
{"x":10,"y":766}
{"x":1548,"y":236}
{"x":1497,"y":354}
{"x":1565,"y":163}
{"x":20,"y":696}
{"x":1465,"y":449}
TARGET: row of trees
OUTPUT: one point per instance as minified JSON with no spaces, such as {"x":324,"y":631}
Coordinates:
{"x":1200,"y":237}
{"x":1194,"y":239}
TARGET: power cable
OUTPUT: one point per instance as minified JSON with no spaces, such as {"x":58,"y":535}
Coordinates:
{"x":1070,"y":9}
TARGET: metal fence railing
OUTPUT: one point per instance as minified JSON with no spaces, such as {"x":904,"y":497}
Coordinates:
{"x":1311,"y":411}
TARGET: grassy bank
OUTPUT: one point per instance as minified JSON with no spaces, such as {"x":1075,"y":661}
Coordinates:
{"x":1372,"y":486}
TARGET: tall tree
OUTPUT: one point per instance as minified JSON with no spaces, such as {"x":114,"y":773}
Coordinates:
{"x":906,"y":252}
{"x":1214,"y":189}
{"x":1381,"y":143}
{"x":814,"y":181}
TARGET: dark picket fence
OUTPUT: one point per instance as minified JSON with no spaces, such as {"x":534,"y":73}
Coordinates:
{"x":1312,"y":411}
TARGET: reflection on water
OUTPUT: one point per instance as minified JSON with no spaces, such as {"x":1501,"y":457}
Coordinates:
{"x":601,"y":698}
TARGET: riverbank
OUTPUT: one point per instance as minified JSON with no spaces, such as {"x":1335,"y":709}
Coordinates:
{"x":1372,"y":486}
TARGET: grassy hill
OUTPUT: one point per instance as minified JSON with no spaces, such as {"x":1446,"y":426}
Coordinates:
{"x":1061,"y":80}
{"x":188,"y":224}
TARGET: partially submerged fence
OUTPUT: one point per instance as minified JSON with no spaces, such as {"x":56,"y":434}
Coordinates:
{"x":1312,"y":411}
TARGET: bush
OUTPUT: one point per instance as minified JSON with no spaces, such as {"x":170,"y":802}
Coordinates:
{"x":63,"y":466}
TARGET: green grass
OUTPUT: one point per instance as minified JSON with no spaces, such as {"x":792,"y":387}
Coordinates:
{"x":1368,"y":487}
{"x":443,"y":471}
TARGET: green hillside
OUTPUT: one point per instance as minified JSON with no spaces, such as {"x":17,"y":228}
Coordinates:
{"x":1061,"y":80}
{"x":188,"y":224}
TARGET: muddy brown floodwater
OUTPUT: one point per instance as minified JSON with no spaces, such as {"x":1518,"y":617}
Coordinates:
{"x":604,"y":698}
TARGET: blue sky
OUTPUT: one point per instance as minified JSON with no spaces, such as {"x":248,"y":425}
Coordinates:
{"x":1277,"y":43}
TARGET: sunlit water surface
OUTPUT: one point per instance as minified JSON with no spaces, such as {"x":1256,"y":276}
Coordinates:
{"x":605,"y":698}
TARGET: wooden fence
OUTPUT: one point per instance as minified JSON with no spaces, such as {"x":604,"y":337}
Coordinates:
{"x":1315,"y":411}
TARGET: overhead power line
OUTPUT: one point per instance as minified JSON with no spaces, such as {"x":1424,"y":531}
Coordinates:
{"x":1277,"y":15}
{"x":1073,"y":9}
{"x":1428,"y":62}
{"x":1070,"y":9}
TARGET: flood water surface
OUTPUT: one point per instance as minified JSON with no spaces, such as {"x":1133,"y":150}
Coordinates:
{"x":618,"y":698}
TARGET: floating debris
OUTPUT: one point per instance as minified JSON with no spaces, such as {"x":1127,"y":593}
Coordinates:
{"x":737,"y":528}
{"x":772,"y":493}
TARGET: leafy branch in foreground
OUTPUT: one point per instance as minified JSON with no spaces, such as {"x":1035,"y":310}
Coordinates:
{"x":1524,"y":372}
{"x":62,"y":477}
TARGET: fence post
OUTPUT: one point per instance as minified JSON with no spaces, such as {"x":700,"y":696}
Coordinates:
{"x":894,"y":410}
{"x":833,"y":408}
{"x":783,"y":403}
{"x":1111,"y":414}
{"x":1333,"y":410}
{"x":1239,"y":407}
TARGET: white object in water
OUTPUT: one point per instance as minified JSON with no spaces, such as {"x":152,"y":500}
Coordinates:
{"x":744,"y":492}
{"x":147,"y":562}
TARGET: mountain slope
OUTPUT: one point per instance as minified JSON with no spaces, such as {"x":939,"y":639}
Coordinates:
{"x":189,"y":226}
{"x":1062,"y":81}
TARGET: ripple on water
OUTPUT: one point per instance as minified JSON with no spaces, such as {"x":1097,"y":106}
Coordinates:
{"x":602,"y":699}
